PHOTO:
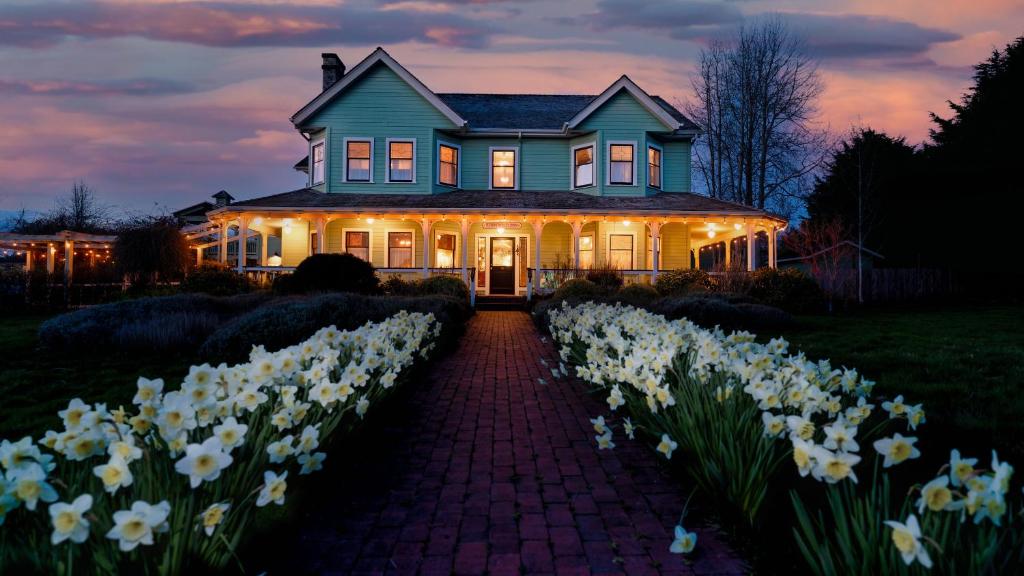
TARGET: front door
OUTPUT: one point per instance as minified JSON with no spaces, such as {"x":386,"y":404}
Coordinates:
{"x":503,"y":268}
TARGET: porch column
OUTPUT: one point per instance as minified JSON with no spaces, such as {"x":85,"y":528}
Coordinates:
{"x":655,"y":245}
{"x":321,"y":230}
{"x":69,"y":261}
{"x":577,"y":227}
{"x":425,"y":224}
{"x":751,"y":261}
{"x":464,"y":230}
{"x":28,"y":260}
{"x":771,"y":247}
{"x":728,"y":253}
{"x":263,"y":248}
{"x":538,"y":231}
{"x":50,"y":253}
{"x":243,"y":231}
{"x":223,"y":256}
{"x":199,"y":257}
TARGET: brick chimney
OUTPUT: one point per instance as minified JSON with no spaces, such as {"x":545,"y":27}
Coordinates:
{"x":333,"y":69}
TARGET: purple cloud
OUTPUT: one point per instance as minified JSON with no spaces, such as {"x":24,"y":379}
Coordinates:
{"x":236,"y":25}
{"x":130,"y":87}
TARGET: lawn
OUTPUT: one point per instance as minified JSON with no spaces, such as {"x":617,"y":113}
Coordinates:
{"x":35,"y":384}
{"x":966,"y":364}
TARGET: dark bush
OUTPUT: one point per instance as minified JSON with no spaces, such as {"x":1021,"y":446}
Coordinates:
{"x":788,"y":288}
{"x":216,"y":280}
{"x":683,"y":281}
{"x":579,"y":289}
{"x":151,"y":251}
{"x":396,"y":286}
{"x":640,"y":295}
{"x":165,"y":323}
{"x":331,"y":273}
{"x":443,"y":286}
{"x":608,"y":278}
{"x":294,"y":319}
{"x":711,"y":311}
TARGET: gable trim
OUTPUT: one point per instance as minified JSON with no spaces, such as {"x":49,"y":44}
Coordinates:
{"x":624,"y":83}
{"x":378,"y":56}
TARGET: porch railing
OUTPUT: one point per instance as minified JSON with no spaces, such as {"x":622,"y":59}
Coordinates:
{"x":550,"y":279}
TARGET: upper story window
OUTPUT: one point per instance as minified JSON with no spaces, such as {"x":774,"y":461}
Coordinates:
{"x":448,"y":165}
{"x":358,"y":159}
{"x":504,"y":164}
{"x":401,"y":160}
{"x":654,"y":166}
{"x":621,"y":167}
{"x":583,"y":166}
{"x":316,"y":158}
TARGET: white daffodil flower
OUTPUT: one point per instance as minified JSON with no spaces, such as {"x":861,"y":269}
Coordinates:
{"x":803,"y":456}
{"x":362,"y":405}
{"x":273,"y":489}
{"x":839,"y":436}
{"x":833,"y":466}
{"x":310,"y":439}
{"x":311,"y":462}
{"x":148,"y":391}
{"x":28,"y":484}
{"x":213,"y":516}
{"x":115,"y":474}
{"x":74,"y":413}
{"x":615,"y":398}
{"x":281,"y":450}
{"x":231,"y":433}
{"x":936,"y":496}
{"x":125,"y":448}
{"x":897,"y":449}
{"x":203,"y":462}
{"x":69,"y":521}
{"x":628,"y":428}
{"x":599,"y":425}
{"x":895,"y":407}
{"x":907,"y":539}
{"x":667,"y":446}
{"x":604,"y":441}
{"x":773,"y":425}
{"x":960,"y":469}
{"x":684,"y":542}
{"x":137,"y":525}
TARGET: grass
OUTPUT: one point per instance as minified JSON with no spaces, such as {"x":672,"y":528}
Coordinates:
{"x":35,"y":384}
{"x":966,"y":364}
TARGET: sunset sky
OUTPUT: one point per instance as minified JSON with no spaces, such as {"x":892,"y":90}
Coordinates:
{"x":159,"y":103}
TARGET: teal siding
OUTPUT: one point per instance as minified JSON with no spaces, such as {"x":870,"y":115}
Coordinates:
{"x":543,"y":162}
{"x":380,"y":105}
{"x":676,"y":170}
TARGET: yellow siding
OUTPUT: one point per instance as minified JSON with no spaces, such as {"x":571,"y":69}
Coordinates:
{"x":378,"y":237}
{"x":675,"y":246}
{"x":556,"y":244}
{"x":295,"y":243}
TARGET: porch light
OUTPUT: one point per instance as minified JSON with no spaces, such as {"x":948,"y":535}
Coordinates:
{"x":711,"y":233}
{"x":501,"y":229}
{"x":370,"y":220}
{"x":626,"y":222}
{"x":257,"y":221}
{"x":737,"y":226}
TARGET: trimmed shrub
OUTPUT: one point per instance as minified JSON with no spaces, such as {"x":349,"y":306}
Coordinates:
{"x":165,"y":323}
{"x":683,"y":281}
{"x":637,"y":295}
{"x":579,"y":289}
{"x":443,"y":286}
{"x":332,"y":273}
{"x":216,"y":280}
{"x":711,"y":311}
{"x":607,"y":278}
{"x":396,"y":286}
{"x":294,"y":319}
{"x":788,"y":288}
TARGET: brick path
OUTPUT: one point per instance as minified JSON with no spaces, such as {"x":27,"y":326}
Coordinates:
{"x":487,"y":469}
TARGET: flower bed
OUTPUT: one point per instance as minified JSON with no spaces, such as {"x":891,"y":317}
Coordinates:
{"x":171,"y":485}
{"x":745,"y":416}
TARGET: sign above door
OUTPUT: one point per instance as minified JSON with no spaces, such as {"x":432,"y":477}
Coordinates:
{"x":501,"y":225}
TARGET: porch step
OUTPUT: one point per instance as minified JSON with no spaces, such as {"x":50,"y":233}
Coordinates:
{"x":501,"y":302}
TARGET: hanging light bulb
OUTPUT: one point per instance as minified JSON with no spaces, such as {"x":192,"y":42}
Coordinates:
{"x":711,"y":233}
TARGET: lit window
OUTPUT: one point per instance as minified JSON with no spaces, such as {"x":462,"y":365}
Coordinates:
{"x":444,"y":251}
{"x":448,"y":170}
{"x":654,"y":167}
{"x":318,"y":162}
{"x":620,"y":164}
{"x":587,"y":251}
{"x":620,"y":251}
{"x":358,"y":154}
{"x":401,"y":156}
{"x":503,"y":168}
{"x":400,"y":250}
{"x":358,"y":244}
{"x":583,"y":164}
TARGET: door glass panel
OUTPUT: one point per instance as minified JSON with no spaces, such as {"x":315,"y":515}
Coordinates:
{"x":481,"y":262}
{"x":521,"y":251}
{"x":501,"y":251}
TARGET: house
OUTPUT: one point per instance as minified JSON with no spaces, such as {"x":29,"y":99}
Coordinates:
{"x":196,"y":213}
{"x":499,"y":189}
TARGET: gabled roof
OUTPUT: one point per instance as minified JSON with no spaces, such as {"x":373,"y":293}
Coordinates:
{"x":662,"y":110}
{"x":302,"y":165}
{"x":200,"y":208}
{"x":516,"y":111}
{"x":379,"y":56}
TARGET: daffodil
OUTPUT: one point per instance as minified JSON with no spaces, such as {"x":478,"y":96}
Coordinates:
{"x":148,"y":390}
{"x":273,"y":489}
{"x":599,"y":425}
{"x":69,"y":521}
{"x":604,"y":441}
{"x":907,"y":539}
{"x":627,"y":427}
{"x":833,"y":466}
{"x":29,"y":485}
{"x":137,"y":525}
{"x":114,"y":474}
{"x":311,"y":462}
{"x":203,"y":462}
{"x":684,"y":542}
{"x":231,"y":433}
{"x":281,"y":449}
{"x":803,"y":456}
{"x":74,"y":413}
{"x":667,"y":446}
{"x":213,"y":516}
{"x":936,"y":496}
{"x":839,"y":436}
{"x":615,"y":398}
{"x":773,"y":425}
{"x":800,"y":427}
{"x":361,"y":406}
{"x":895,"y":407}
{"x":125,"y":448}
{"x":897,"y":449}
{"x":310,"y":439}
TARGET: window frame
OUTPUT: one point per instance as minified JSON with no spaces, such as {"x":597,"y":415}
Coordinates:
{"x":515,"y":167}
{"x":592,"y":250}
{"x":455,"y":248}
{"x":458,"y":164}
{"x":593,"y":164}
{"x":344,"y":157}
{"x":661,"y":166}
{"x":608,"y":162}
{"x":608,"y":248}
{"x":387,"y":243}
{"x":387,"y":163}
{"x":322,"y":141}
{"x":369,"y":241}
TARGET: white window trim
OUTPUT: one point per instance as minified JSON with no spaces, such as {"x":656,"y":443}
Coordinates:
{"x":608,"y":247}
{"x":572,"y":164}
{"x":593,"y":247}
{"x":314,"y":144}
{"x":458,"y":168}
{"x":516,"y":234}
{"x":490,"y":167}
{"x":608,"y":161}
{"x":387,"y":247}
{"x":661,"y":167}
{"x":369,"y":244}
{"x":387,"y":163}
{"x":344,"y":158}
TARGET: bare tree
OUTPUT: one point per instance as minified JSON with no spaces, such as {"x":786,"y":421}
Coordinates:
{"x":81,"y":210}
{"x":755,"y":100}
{"x":823,"y":246}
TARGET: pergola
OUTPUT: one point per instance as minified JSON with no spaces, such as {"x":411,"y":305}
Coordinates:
{"x":39,"y":246}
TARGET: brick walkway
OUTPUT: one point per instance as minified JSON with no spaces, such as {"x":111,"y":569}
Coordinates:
{"x":490,"y":467}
